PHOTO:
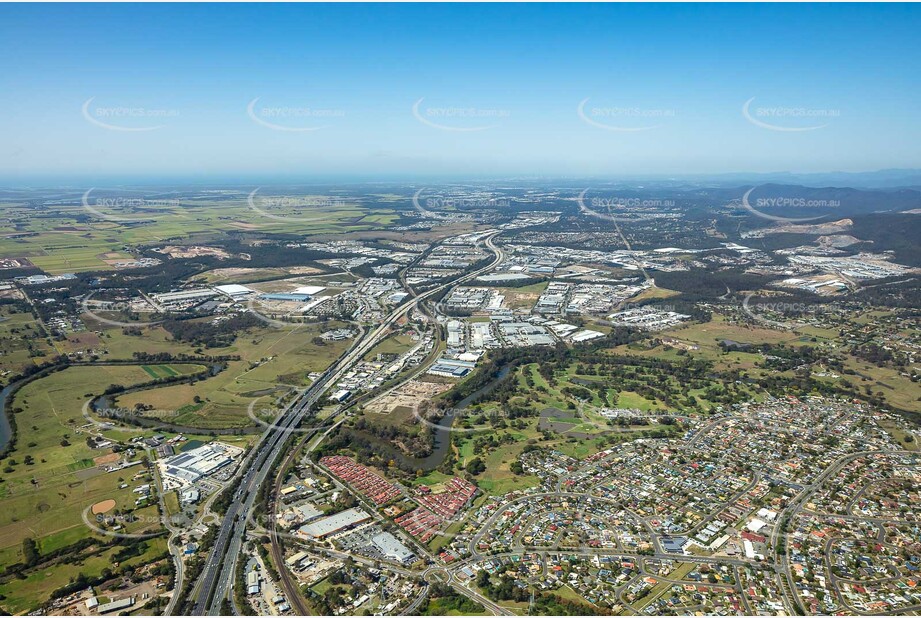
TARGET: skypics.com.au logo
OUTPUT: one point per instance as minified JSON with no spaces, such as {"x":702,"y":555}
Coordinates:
{"x":474,"y":420}
{"x":617,"y":208}
{"x":759,"y":311}
{"x":127,"y":419}
{"x":272,"y":316}
{"x":785,"y":202}
{"x":103,"y":207}
{"x":92,"y":308}
{"x":117,"y":524}
{"x":125,"y":118}
{"x":623,"y":119}
{"x":460,"y":119}
{"x":453,"y":420}
{"x":434,"y":206}
{"x":268,"y":415}
{"x":269,"y":206}
{"x":291,"y":119}
{"x":787,"y":119}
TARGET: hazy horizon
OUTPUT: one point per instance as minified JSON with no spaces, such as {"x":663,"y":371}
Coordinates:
{"x":894,"y":177}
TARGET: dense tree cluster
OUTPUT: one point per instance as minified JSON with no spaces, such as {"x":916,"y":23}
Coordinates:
{"x":211,"y":334}
{"x":444,"y":600}
{"x":415,"y":440}
{"x":544,"y":603}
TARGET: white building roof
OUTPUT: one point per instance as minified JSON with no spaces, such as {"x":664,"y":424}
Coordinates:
{"x":233,"y":289}
{"x":327,"y":525}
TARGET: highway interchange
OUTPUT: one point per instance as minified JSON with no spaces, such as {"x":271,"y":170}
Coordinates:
{"x":215,"y":586}
{"x":217,"y":578}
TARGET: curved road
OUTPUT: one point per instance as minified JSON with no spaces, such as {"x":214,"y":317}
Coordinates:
{"x":218,"y":575}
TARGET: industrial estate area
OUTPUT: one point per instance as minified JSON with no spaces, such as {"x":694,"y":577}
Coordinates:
{"x":502,"y":309}
{"x":521,"y":410}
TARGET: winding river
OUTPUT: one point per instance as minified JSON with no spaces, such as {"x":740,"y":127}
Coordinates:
{"x":7,"y":394}
{"x":6,"y":432}
{"x":442,"y":437}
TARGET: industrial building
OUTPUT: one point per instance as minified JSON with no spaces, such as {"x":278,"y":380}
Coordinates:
{"x":392,"y":548}
{"x":184,"y":297}
{"x":253,"y":582}
{"x":648,"y":318}
{"x":451,"y":368}
{"x":469,"y":299}
{"x":114,"y":606}
{"x":234,"y":290}
{"x":525,"y":334}
{"x":481,"y":336}
{"x":200,"y":462}
{"x":456,"y":334}
{"x":325,"y":526}
{"x":586,"y":335}
{"x":286,"y":296}
{"x":43,"y":279}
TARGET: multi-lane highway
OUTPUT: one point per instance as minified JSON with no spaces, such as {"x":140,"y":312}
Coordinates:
{"x":218,"y":575}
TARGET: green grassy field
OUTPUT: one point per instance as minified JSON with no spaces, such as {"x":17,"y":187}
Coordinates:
{"x":115,"y":344}
{"x":45,"y":494}
{"x":898,"y":389}
{"x":707,"y":336}
{"x":22,"y":340}
{"x":395,"y":344}
{"x":498,"y":478}
{"x":899,"y":435}
{"x":654,"y":293}
{"x":66,"y":242}
{"x":23,"y":595}
{"x":432,"y":478}
{"x":272,"y":360}
{"x":166,"y":371}
{"x":44,"y":500}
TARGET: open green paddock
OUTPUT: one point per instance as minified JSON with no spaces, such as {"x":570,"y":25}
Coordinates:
{"x":64,"y":240}
{"x":44,"y":499}
{"x":21,"y":596}
{"x":273,"y":360}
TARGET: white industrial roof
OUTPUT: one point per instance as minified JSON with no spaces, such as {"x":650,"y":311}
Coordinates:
{"x":309,"y":289}
{"x":233,"y":289}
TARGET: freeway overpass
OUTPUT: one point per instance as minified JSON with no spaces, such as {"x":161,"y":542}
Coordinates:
{"x":218,"y":575}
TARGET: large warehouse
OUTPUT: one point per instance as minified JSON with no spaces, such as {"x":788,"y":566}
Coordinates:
{"x":325,"y":526}
{"x":202,"y":461}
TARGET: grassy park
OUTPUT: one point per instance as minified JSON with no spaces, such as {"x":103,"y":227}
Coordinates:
{"x":272,"y":361}
{"x":53,"y":475}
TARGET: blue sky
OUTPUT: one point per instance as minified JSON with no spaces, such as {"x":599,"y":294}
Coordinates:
{"x":501,"y":87}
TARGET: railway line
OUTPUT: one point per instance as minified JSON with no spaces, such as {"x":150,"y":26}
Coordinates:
{"x":218,"y":575}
